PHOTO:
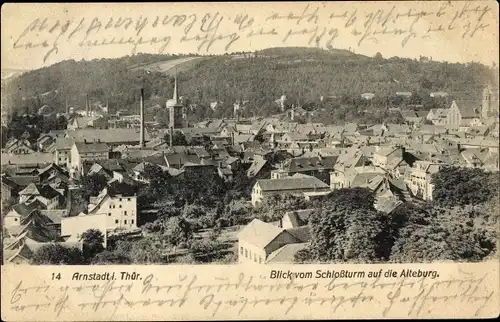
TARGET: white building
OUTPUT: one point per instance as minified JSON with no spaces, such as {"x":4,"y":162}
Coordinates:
{"x":418,"y":178}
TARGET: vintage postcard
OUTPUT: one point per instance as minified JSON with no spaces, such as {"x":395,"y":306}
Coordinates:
{"x":239,"y":160}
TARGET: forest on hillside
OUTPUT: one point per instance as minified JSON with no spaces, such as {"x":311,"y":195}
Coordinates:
{"x":304,"y":75}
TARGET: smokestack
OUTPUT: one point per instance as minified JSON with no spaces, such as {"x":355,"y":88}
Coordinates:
{"x":142,"y":144}
{"x":171,"y":136}
{"x":66,"y":107}
{"x":87,"y":104}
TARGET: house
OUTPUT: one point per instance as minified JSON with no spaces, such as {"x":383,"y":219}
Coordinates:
{"x":10,"y":189}
{"x":257,"y":166}
{"x":297,"y":184}
{"x":83,"y":151}
{"x":113,"y":210}
{"x":404,"y":94}
{"x":201,"y":171}
{"x":367,"y":96}
{"x":318,"y":166}
{"x":112,"y":137}
{"x":138,"y":172}
{"x":118,"y":201}
{"x":19,"y":147}
{"x":50,"y":172}
{"x":44,"y":142}
{"x":18,"y":213}
{"x":460,"y":114}
{"x":258,"y":240}
{"x":35,"y":158}
{"x":391,"y":159}
{"x":438,"y":94}
{"x":411,"y":117}
{"x":385,"y":154}
{"x":348,"y":160}
{"x":294,"y":219}
{"x":62,"y":151}
{"x":22,"y":249}
{"x":178,"y":160}
{"x":45,"y":194}
{"x":81,"y":122}
{"x":438,"y":116}
{"x":73,"y":227}
{"x":419,"y":178}
{"x":225,"y":173}
{"x":347,"y":177}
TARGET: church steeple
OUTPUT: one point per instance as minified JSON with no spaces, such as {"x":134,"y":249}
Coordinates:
{"x":176,"y":94}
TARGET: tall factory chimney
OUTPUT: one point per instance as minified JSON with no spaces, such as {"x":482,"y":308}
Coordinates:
{"x":87,"y":104}
{"x":171,"y":136}
{"x":66,"y":107}
{"x":142,"y":144}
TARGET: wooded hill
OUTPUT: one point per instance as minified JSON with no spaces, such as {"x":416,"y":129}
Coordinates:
{"x":302,"y":74}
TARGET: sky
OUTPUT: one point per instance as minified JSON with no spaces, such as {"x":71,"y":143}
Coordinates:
{"x":37,"y":35}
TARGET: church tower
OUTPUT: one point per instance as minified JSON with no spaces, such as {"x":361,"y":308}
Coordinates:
{"x":486,"y":106}
{"x":175,"y":109}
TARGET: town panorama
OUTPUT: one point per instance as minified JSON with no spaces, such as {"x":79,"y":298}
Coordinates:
{"x":284,"y":155}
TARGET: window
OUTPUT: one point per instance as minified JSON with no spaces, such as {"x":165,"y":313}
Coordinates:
{"x":125,"y":213}
{"x":241,"y":250}
{"x":116,"y":221}
{"x":132,"y":221}
{"x":246,"y":253}
{"x":110,"y":206}
{"x":125,"y":221}
{"x":128,"y":199}
{"x":255,"y":258}
{"x":260,"y":260}
{"x":119,"y":206}
{"x":120,"y":199}
{"x":109,"y":214}
{"x":15,"y":219}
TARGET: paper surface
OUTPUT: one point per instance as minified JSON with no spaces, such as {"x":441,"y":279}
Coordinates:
{"x":40,"y":34}
{"x":249,"y":292}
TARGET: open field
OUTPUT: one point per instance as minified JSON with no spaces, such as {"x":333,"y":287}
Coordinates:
{"x":168,"y":67}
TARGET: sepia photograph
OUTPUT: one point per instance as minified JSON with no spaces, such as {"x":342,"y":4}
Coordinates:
{"x":269,"y":154}
{"x":249,"y":161}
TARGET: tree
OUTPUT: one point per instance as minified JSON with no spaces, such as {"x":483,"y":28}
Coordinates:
{"x":433,"y":233}
{"x":303,"y":256}
{"x":147,"y":250}
{"x":177,"y":139}
{"x":463,"y":186}
{"x":93,"y":240}
{"x":274,"y":207}
{"x":93,"y":184}
{"x":55,"y":254}
{"x":110,"y":258}
{"x":177,"y":231}
{"x":346,"y":228}
{"x":7,"y":205}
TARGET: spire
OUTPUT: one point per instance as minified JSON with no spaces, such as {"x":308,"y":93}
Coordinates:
{"x":176,"y":94}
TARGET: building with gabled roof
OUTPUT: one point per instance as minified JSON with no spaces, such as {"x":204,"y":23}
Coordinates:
{"x":317,"y":166}
{"x":44,"y":193}
{"x":10,"y":189}
{"x":419,"y":179}
{"x":112,"y":137}
{"x":83,"y":151}
{"x":258,"y":239}
{"x":297,"y":184}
